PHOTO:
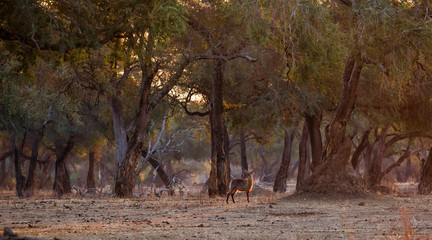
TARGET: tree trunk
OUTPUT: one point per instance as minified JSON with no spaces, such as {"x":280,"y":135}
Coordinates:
{"x":282,"y":174}
{"x":94,"y":157}
{"x":408,"y":170}
{"x":45,"y":178}
{"x":243,"y":155}
{"x":335,"y":173}
{"x":361,"y":147}
{"x":425,"y":185}
{"x":33,"y":160}
{"x":303,"y":170}
{"x":62,"y":184}
{"x":266,"y":174}
{"x":120,"y":134}
{"x":219,"y":156}
{"x":227,"y":143}
{"x":16,"y":156}
{"x":162,"y":174}
{"x":373,"y":166}
{"x":212,"y":181}
{"x":126,"y":173}
{"x":314,"y":123}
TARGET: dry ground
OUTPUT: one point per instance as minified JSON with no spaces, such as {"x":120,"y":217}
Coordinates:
{"x":198,"y":217}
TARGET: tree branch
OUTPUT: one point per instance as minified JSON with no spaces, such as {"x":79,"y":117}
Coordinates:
{"x":400,"y":160}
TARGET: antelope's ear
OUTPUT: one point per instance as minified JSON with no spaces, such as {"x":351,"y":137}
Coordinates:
{"x":252,"y":171}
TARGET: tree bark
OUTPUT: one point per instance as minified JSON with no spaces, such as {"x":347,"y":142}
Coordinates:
{"x":126,"y":172}
{"x":243,"y":154}
{"x":282,"y":174}
{"x":45,"y":178}
{"x":219,"y":156}
{"x":62,"y":184}
{"x":161,"y":173}
{"x":373,"y":166}
{"x":33,"y":160}
{"x":425,"y":185}
{"x":227,"y":143}
{"x":314,"y":123}
{"x":303,"y":170}
{"x":361,"y":147}
{"x":335,"y":173}
{"x":16,"y":156}
{"x":94,"y":157}
{"x":120,"y":134}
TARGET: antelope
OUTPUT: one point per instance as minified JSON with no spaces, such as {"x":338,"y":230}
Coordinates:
{"x":241,"y":185}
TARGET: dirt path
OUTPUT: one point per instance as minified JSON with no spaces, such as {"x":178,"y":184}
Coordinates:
{"x":372,"y":217}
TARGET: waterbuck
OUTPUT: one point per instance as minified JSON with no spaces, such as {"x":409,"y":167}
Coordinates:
{"x":241,"y":185}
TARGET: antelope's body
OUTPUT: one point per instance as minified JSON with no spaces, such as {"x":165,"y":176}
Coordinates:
{"x":241,"y":185}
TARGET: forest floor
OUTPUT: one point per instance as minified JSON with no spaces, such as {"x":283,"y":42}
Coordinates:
{"x":370,"y":216}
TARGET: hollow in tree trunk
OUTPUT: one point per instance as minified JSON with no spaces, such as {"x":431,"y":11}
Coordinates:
{"x":282,"y":174}
{"x":425,"y":185}
{"x":335,"y":173}
{"x":62,"y":184}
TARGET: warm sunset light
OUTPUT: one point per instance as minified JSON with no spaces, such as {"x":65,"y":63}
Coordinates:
{"x":216,"y":119}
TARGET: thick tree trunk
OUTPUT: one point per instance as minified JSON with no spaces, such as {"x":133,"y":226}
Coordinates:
{"x":303,"y":169}
{"x":314,"y":123}
{"x":126,"y":173}
{"x":243,"y":155}
{"x":212,"y":182}
{"x":62,"y":184}
{"x":120,"y":134}
{"x":16,"y":156}
{"x":227,"y":143}
{"x":33,"y":160}
{"x":425,"y":185}
{"x":335,"y":173}
{"x":218,"y":83}
{"x":282,"y":174}
{"x":94,"y":157}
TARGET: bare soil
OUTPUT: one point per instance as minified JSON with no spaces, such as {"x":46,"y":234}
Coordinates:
{"x":308,"y":216}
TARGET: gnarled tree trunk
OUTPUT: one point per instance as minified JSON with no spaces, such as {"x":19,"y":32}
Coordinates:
{"x":62,"y":184}
{"x":335,"y":173}
{"x":425,"y":185}
{"x":282,"y":174}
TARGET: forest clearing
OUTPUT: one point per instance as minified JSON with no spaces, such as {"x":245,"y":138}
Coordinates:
{"x":304,"y":216}
{"x":141,"y":119}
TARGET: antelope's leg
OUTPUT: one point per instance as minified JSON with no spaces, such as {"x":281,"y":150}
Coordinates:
{"x":232,"y":195}
{"x":247,"y":194}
